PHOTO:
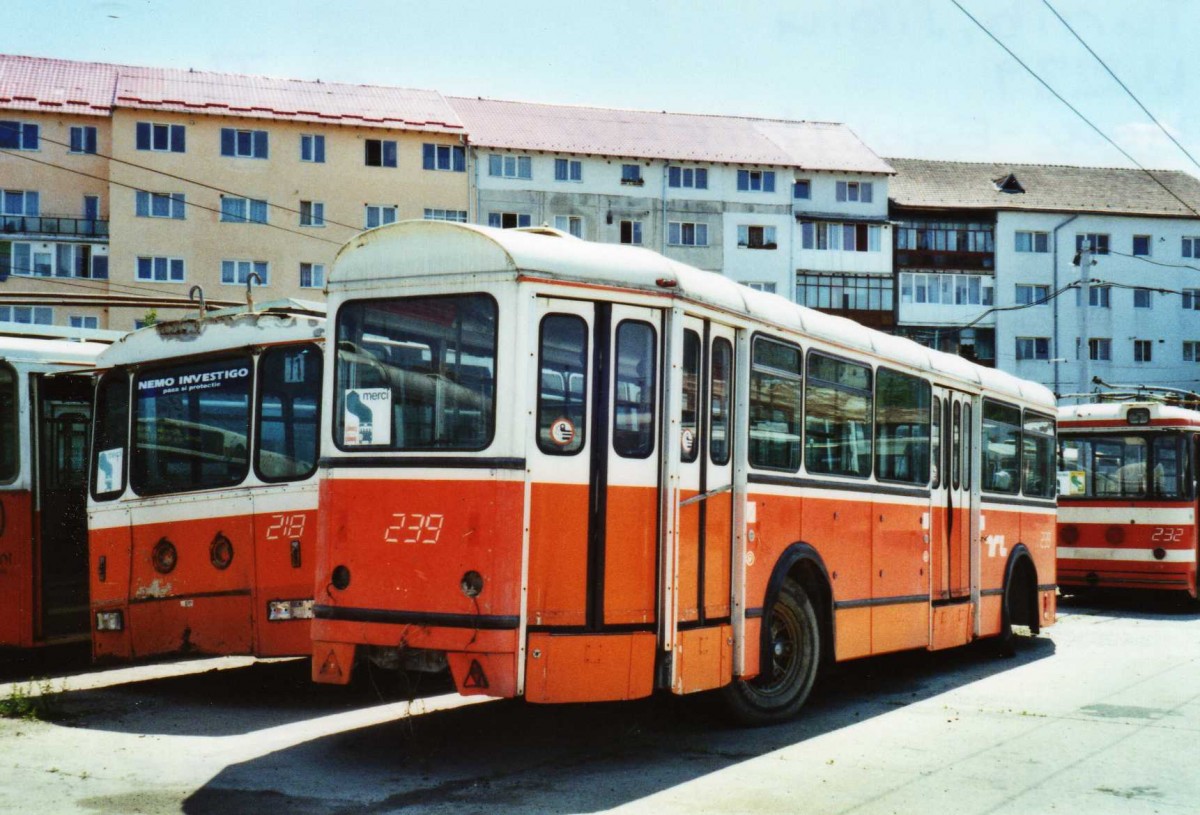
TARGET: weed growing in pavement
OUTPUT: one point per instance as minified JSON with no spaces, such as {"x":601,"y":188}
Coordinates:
{"x":25,"y":704}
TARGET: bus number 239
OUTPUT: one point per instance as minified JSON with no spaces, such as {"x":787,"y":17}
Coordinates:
{"x":413,"y":527}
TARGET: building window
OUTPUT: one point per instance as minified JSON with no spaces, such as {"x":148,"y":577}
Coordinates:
{"x":312,"y":213}
{"x":1033,"y":348}
{"x":243,"y":210}
{"x":91,"y":207}
{"x":312,"y":275}
{"x":802,"y":189}
{"x":1028,"y":295}
{"x":1032,"y":242}
{"x":160,"y":205}
{"x":455,"y":215}
{"x":687,"y":234}
{"x":688,"y":177}
{"x":1100,"y":349}
{"x":824,"y":236}
{"x":632,"y":174}
{"x":631,"y":232}
{"x":768,"y":287}
{"x":572,"y":224}
{"x":53,"y":260}
{"x":237,"y":272}
{"x":84,"y":321}
{"x":1098,"y":242}
{"x":860,"y":191}
{"x":83,"y":139}
{"x":378,"y":215}
{"x":1143,"y":350}
{"x":1141,"y":298}
{"x":927,"y":236}
{"x":243,"y":143}
{"x":508,"y":220}
{"x":568,"y":170}
{"x":18,"y":136}
{"x":1191,"y":247}
{"x":1191,"y":299}
{"x":37,"y":315}
{"x":756,"y":181}
{"x":451,"y":157}
{"x":947,"y":289}
{"x":20,"y":202}
{"x":1100,"y":296}
{"x":756,"y":237}
{"x":161,"y":138}
{"x":510,"y":166}
{"x":160,"y":269}
{"x":1191,"y":350}
{"x":1141,"y":245}
{"x":380,"y":153}
{"x":849,"y":292}
{"x":312,"y":148}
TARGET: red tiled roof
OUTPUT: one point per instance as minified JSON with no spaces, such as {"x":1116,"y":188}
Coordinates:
{"x":38,"y":83}
{"x":674,"y":136}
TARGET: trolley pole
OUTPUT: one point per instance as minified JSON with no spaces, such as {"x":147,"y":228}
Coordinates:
{"x":1085,"y":302}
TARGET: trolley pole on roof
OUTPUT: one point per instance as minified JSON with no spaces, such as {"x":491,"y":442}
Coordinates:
{"x":1085,"y":302}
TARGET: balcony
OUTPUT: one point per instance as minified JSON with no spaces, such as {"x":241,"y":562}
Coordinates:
{"x":943,"y":259}
{"x":52,"y":226}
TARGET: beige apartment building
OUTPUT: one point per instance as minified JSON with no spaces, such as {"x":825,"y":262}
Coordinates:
{"x":204,"y":179}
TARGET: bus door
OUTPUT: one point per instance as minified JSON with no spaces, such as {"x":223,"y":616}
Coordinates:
{"x":697,"y":635}
{"x":64,"y":408}
{"x":952,"y":518}
{"x":594,"y":502}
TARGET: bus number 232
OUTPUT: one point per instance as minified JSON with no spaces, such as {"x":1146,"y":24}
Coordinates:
{"x":413,"y":527}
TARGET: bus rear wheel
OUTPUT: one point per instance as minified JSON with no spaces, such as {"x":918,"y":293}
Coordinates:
{"x":789,"y":666}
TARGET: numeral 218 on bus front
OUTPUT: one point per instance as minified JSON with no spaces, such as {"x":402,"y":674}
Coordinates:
{"x":413,"y":527}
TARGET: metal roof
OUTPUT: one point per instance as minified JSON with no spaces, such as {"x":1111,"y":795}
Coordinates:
{"x":663,"y":135}
{"x":96,"y":88}
{"x":922,"y":183}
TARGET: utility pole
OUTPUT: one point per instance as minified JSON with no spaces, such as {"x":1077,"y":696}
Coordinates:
{"x":1085,"y":302}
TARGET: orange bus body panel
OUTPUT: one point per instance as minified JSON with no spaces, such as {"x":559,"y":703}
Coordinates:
{"x":17,"y":571}
{"x":589,"y":667}
{"x":558,"y":538}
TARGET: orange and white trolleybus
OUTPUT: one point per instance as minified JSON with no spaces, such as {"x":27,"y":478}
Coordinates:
{"x":203,"y":494}
{"x":1127,"y":497}
{"x":578,"y":472}
{"x":45,"y":409}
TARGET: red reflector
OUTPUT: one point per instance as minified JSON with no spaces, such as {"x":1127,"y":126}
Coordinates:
{"x":1068,"y":534}
{"x":476,"y":678}
{"x":331,"y":667}
{"x":1114,"y":535}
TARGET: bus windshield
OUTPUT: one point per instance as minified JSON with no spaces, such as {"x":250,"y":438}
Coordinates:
{"x":1109,"y":466}
{"x":193,"y":425}
{"x":416,"y":373}
{"x":10,"y":460}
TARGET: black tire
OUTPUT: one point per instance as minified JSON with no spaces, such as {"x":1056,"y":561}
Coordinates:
{"x":795,"y":639}
{"x":1016,"y":589}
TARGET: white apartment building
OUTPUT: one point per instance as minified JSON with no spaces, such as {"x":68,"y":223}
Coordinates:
{"x":1142,"y":323}
{"x":766,"y":202}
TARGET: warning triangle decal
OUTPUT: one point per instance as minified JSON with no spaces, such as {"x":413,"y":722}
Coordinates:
{"x":475,"y":676}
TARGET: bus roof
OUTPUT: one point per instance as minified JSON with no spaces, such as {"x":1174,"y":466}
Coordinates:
{"x":229,"y":329}
{"x":1115,"y":414}
{"x":421,"y":249}
{"x":39,"y":351}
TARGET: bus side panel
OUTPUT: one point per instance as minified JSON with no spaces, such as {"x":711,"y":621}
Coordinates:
{"x":558,"y":540}
{"x":1000,"y":533}
{"x":840,"y":529}
{"x":197,"y":606}
{"x":899,"y":578}
{"x":689,"y":558}
{"x":717,"y":552}
{"x":110,"y":543}
{"x":408,"y":544}
{"x":284,"y":552}
{"x":1038,"y":534}
{"x":631,"y":555}
{"x":17,"y":566}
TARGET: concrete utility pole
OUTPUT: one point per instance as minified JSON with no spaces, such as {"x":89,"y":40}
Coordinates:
{"x":1085,"y":302}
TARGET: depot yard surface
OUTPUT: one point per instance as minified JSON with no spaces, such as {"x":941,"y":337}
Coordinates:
{"x":1100,"y":714}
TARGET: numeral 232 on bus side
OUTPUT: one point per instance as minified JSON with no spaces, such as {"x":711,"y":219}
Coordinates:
{"x":1167,"y":534}
{"x":413,"y":527}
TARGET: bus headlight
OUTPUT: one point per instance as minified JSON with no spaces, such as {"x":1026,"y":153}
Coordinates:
{"x":290,"y":610}
{"x":110,"y":621}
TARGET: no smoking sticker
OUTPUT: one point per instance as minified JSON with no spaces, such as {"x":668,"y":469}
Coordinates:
{"x":562,"y":432}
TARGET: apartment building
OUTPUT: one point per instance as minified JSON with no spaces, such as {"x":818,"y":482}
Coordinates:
{"x":212,"y":180}
{"x":987,"y":262}
{"x":761,"y":201}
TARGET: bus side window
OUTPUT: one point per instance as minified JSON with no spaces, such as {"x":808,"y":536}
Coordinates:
{"x":1037,"y":466}
{"x":289,"y":396}
{"x":966,"y":451}
{"x":635,"y":390}
{"x":691,"y":397}
{"x":1001,"y":440}
{"x":902,"y":427}
{"x":562,"y":384}
{"x":110,"y":435}
{"x":10,"y":445}
{"x":719,"y":405}
{"x":956,"y":453}
{"x":837,"y":424}
{"x":776,"y":378}
{"x":935,"y":437}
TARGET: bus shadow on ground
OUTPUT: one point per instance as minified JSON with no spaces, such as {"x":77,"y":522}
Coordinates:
{"x":516,"y":757}
{"x":229,"y":702}
{"x":1165,"y":606}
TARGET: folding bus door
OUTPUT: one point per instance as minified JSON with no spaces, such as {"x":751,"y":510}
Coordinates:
{"x":952,"y":514}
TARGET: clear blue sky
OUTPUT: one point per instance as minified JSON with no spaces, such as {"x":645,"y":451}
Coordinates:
{"x":914,"y":78}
